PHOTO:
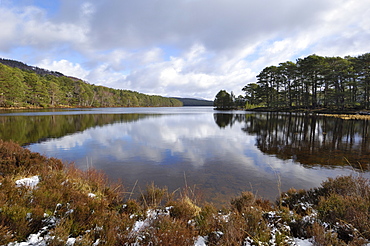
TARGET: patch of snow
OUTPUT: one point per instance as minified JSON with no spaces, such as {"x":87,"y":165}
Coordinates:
{"x":92,"y":195}
{"x":28,"y":182}
{"x":69,"y":212}
{"x":98,"y":228}
{"x":247,"y":242}
{"x":96,"y":242}
{"x":28,"y":216}
{"x":302,"y":242}
{"x":139,"y":225}
{"x":201,"y":241}
{"x":224,"y":217}
{"x":34,"y":239}
{"x":271,"y":213}
{"x":311,"y":218}
{"x":305,"y":206}
{"x":70,"y":241}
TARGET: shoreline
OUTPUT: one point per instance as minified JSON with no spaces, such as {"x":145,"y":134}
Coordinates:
{"x":348,"y":116}
{"x":343,"y":114}
{"x":76,"y":107}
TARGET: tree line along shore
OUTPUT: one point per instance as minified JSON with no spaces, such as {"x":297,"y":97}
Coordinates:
{"x":312,"y":83}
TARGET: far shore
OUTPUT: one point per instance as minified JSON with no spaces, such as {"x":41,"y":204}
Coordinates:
{"x":346,"y":114}
{"x":349,"y":116}
{"x":343,"y":114}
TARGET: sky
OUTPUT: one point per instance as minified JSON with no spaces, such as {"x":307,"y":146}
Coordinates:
{"x":178,"y":48}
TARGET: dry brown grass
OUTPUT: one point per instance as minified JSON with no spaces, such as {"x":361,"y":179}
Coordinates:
{"x":348,"y":116}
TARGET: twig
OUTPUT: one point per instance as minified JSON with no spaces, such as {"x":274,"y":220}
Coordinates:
{"x":132,"y":191}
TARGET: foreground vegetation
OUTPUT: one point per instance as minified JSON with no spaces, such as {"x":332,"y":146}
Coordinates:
{"x":23,"y":86}
{"x":44,"y":200}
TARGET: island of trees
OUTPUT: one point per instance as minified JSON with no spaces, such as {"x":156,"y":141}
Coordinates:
{"x":313,"y":82}
{"x":23,"y":86}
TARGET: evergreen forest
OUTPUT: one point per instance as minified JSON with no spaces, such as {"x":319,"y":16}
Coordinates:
{"x":31,"y":87}
{"x":313,"y":82}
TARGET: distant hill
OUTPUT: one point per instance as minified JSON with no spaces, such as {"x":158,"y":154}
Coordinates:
{"x":194,"y":102}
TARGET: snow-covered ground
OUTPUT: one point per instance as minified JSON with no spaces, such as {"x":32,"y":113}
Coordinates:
{"x":31,"y":182}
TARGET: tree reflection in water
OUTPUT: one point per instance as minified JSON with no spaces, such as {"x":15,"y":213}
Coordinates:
{"x":308,"y":139}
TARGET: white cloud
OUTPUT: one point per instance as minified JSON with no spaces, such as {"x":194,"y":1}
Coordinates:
{"x":65,"y":67}
{"x":180,"y":48}
{"x":191,"y":74}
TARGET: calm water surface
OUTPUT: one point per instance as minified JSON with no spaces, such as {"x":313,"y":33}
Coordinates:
{"x":221,"y":153}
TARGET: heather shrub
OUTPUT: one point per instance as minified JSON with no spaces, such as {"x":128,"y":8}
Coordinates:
{"x":342,"y":211}
{"x":342,"y":203}
{"x":243,"y":202}
{"x":184,"y":209}
{"x":347,"y":185}
{"x":132,"y":207}
{"x":347,"y":201}
{"x":244,"y":221}
{"x":77,"y":200}
{"x":59,"y":234}
{"x":206,"y":220}
{"x":170,"y":231}
{"x":153,"y":196}
{"x":17,"y":220}
{"x":241,"y":226}
{"x":5,"y":235}
{"x":323,"y":237}
{"x":15,"y":160}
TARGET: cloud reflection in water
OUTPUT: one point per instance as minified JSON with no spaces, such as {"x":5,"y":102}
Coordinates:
{"x":221,"y":161}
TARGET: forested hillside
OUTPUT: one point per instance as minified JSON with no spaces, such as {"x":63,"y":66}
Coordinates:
{"x":314,"y":82}
{"x":25,"y":86}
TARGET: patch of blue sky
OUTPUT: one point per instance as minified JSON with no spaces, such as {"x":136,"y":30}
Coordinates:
{"x":34,"y":55}
{"x":66,"y":52}
{"x":51,"y":7}
{"x":7,"y":3}
{"x":20,"y":53}
{"x":170,"y":51}
{"x":263,"y":50}
{"x":253,"y":56}
{"x":260,"y":49}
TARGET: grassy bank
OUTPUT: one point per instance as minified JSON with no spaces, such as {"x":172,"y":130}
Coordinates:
{"x":308,"y":110}
{"x":44,"y":200}
{"x":343,"y":114}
